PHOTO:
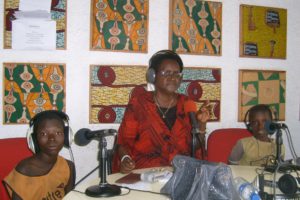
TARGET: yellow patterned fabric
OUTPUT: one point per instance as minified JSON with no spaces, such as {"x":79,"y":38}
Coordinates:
{"x":48,"y":186}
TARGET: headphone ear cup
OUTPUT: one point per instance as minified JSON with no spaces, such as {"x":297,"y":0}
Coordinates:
{"x":287,"y":184}
{"x":30,"y":141}
{"x":150,"y":75}
{"x":68,"y":134}
{"x":247,"y":124}
{"x":249,"y":128}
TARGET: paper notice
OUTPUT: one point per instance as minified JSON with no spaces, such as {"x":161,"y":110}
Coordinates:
{"x":29,"y":34}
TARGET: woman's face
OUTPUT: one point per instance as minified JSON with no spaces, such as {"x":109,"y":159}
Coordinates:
{"x":168,"y":77}
{"x":50,"y":136}
{"x":257,"y":123}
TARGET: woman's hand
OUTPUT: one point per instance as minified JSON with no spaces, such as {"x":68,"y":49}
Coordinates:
{"x":127,"y":165}
{"x":203,"y":116}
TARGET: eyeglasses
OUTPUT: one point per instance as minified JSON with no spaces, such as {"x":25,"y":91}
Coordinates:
{"x":170,"y":74}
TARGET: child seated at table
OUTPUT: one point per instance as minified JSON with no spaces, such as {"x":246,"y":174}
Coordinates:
{"x":45,"y":175}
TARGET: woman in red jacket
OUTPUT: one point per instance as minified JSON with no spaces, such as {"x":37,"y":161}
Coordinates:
{"x":156,"y":125}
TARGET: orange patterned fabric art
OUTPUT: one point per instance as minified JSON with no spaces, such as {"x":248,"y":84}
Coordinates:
{"x":32,"y":88}
{"x":119,"y":25}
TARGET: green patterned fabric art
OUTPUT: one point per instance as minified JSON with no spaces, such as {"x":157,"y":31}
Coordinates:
{"x":119,"y":25}
{"x":196,"y":27}
{"x":30,"y":89}
{"x":262,"y":87}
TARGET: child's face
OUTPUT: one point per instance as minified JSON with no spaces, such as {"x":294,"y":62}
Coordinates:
{"x":50,"y":136}
{"x":257,"y":122}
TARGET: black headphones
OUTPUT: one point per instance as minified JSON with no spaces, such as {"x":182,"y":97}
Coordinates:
{"x":32,"y":136}
{"x":258,"y":107}
{"x":150,"y":75}
{"x":156,"y":60}
{"x":288,"y":184}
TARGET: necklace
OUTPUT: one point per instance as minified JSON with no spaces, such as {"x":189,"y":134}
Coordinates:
{"x":159,"y":107}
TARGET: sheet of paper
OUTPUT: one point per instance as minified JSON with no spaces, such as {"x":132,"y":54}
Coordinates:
{"x":29,"y":34}
{"x":37,"y":14}
{"x":30,"y":5}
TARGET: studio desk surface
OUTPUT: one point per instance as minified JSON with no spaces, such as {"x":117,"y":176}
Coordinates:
{"x":247,"y":172}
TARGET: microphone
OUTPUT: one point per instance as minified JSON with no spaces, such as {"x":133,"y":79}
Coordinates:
{"x":191,"y":108}
{"x":85,"y":135}
{"x":271,"y":127}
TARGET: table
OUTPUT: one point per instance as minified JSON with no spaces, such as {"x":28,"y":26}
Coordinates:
{"x":247,"y":172}
{"x":133,"y":195}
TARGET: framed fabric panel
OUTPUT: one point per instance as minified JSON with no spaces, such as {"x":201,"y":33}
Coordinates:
{"x":112,"y":86}
{"x":263,"y":32}
{"x":262,"y":87}
{"x":203,"y":85}
{"x":119,"y":25}
{"x":196,"y":27}
{"x":30,"y":88}
{"x":110,"y":90}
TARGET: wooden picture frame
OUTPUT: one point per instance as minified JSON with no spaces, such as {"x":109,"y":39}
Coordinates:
{"x":119,"y":25}
{"x":196,"y":27}
{"x":262,"y":87}
{"x":263,"y":32}
{"x":29,"y":88}
{"x":58,"y":13}
{"x":111,"y":87}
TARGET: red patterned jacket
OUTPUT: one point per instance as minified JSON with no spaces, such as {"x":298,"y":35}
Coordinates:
{"x":149,"y":141}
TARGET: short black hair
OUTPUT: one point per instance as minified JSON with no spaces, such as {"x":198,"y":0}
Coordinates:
{"x":260,"y":108}
{"x":162,"y":55}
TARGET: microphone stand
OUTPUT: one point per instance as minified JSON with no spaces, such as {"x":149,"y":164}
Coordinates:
{"x":279,"y":160}
{"x":278,"y":145}
{"x":103,"y":189}
{"x":194,"y":133}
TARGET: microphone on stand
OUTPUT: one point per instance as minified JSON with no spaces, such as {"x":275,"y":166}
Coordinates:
{"x":190,"y":108}
{"x":82,"y":138}
{"x":272,"y":127}
{"x":85,"y":135}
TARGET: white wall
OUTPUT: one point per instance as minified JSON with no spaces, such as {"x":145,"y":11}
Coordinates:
{"x":78,"y":58}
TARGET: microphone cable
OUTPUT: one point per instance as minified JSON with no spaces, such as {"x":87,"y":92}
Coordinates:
{"x":146,"y":191}
{"x":93,"y":170}
{"x":71,"y":155}
{"x":274,"y":184}
{"x":131,"y":189}
{"x":97,"y":167}
{"x":291,"y":146}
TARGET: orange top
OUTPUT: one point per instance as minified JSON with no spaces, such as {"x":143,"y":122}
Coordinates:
{"x":48,"y":186}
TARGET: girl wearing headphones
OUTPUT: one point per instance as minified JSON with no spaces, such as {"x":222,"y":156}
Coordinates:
{"x":259,"y":149}
{"x":45,"y":175}
{"x":156,"y":126}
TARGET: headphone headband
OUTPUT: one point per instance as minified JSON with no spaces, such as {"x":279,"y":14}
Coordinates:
{"x":164,"y":54}
{"x":256,"y":108}
{"x":61,"y":114}
{"x":31,"y":135}
{"x":157,"y":58}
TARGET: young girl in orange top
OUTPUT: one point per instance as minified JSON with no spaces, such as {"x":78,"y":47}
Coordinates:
{"x":45,"y":175}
